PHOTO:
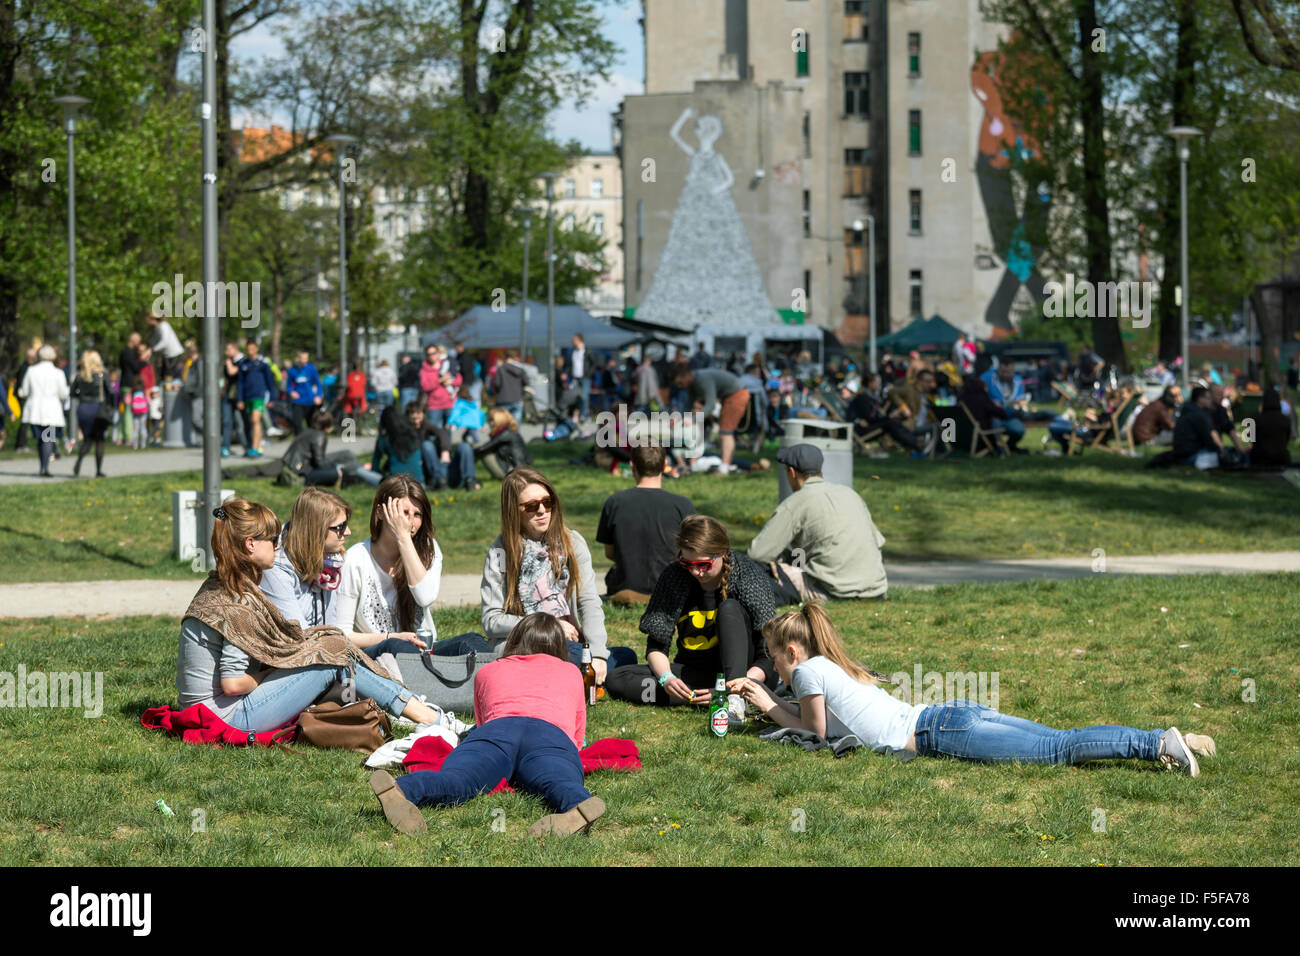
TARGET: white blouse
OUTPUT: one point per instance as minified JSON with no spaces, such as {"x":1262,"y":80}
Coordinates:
{"x":367,"y":597}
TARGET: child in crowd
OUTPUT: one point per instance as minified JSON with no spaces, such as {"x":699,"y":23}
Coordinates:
{"x":139,"y":413}
{"x":838,"y":697}
{"x":155,"y":416}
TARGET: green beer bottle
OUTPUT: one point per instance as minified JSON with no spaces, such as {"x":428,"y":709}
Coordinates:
{"x":718,"y":719}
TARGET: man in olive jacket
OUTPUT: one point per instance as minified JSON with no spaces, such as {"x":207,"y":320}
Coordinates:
{"x":835,"y":545}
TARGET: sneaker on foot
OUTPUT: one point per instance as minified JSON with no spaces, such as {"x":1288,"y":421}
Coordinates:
{"x":1200,"y":744}
{"x":1176,"y":755}
{"x":401,"y":813}
{"x":225,"y":453}
{"x":572,"y":821}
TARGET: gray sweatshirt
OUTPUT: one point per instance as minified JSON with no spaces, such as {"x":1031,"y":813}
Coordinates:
{"x":497,"y":624}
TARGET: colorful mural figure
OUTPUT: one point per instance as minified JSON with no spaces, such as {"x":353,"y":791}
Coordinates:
{"x":1006,"y":150}
{"x":707,"y":271}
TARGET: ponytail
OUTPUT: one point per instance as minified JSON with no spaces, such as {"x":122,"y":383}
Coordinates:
{"x":810,"y":627}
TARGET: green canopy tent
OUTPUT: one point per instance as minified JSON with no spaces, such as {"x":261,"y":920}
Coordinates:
{"x":934,"y":331}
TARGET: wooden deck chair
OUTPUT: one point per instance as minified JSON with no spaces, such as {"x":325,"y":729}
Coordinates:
{"x":984,"y":441}
{"x":1113,"y":428}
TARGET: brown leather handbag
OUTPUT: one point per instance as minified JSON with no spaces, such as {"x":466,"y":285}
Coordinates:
{"x":360,"y":726}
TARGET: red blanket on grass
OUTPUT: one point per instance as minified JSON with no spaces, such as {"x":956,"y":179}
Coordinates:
{"x":198,"y":725}
{"x":610,"y":753}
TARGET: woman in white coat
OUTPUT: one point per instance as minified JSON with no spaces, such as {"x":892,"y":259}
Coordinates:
{"x":44,"y":389}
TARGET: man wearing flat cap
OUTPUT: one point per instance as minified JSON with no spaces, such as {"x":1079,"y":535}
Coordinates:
{"x":829,"y":531}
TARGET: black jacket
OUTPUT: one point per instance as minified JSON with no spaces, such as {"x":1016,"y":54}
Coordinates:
{"x":307,"y":451}
{"x":749,"y":583}
{"x":508,"y":447}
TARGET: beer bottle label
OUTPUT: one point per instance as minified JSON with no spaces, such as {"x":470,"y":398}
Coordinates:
{"x":718,"y":721}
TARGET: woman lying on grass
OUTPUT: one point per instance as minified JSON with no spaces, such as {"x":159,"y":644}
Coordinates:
{"x":531,"y":716}
{"x":244,"y":661}
{"x":838,"y":697}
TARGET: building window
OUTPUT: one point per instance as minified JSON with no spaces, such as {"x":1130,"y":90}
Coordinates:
{"x":855,"y":253}
{"x":857,"y":90}
{"x":807,"y":133}
{"x":807,"y":214}
{"x":914,"y":54}
{"x":570,"y":188}
{"x":914,"y":132}
{"x":801,"y":54}
{"x":807,"y":291}
{"x":598,"y":222}
{"x":914,"y":288}
{"x":567,"y":222}
{"x":914,"y":211}
{"x":855,"y":173}
{"x":855,"y":20}
{"x":597,"y":188}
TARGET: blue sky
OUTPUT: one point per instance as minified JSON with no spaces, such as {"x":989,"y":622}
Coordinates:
{"x":590,"y":126}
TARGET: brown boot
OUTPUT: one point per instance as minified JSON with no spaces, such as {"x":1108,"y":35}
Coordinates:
{"x":401,"y":813}
{"x":573,"y":821}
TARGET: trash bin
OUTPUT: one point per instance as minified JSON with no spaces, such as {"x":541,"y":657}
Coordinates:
{"x":185,"y":522}
{"x":836,"y":444}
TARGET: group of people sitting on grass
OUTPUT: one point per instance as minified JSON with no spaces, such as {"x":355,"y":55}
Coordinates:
{"x":291,"y":610}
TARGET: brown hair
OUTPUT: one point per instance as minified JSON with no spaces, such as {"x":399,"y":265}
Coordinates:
{"x":498,"y":416}
{"x":308,"y":527}
{"x":237,"y":520}
{"x":537,"y":633}
{"x":647,"y":461}
{"x":811,"y":629}
{"x":707,"y":536}
{"x":558,"y":543}
{"x":404,"y":486}
{"x":323,"y":420}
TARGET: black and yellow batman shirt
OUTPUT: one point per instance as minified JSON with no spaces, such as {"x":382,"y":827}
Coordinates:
{"x":697,"y":629}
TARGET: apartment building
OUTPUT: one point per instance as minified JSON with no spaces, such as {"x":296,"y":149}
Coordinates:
{"x":896,"y":119}
{"x":589,"y":193}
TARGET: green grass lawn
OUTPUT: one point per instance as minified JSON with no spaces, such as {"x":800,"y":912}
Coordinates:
{"x":1098,"y":650}
{"x":1022,"y":507}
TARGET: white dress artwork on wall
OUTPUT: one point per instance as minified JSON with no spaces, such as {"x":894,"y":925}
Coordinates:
{"x":707,"y":271}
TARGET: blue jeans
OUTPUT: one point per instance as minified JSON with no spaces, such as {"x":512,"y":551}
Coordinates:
{"x":584,"y":392}
{"x":962,"y":729}
{"x":287,"y":692}
{"x":1014,"y":428}
{"x":456,"y":472}
{"x":461,"y":644}
{"x":532,"y":754}
{"x":437,"y":416}
{"x":618,"y":656}
{"x":516,"y":409}
{"x":405,"y":396}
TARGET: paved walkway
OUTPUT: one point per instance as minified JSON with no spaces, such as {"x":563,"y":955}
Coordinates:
{"x":121,"y":598}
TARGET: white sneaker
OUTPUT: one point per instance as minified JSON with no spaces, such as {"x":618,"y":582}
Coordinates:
{"x":1200,"y":744}
{"x":1176,"y":755}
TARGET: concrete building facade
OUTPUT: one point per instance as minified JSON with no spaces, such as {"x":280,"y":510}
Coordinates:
{"x":892,"y":109}
{"x":590,"y":193}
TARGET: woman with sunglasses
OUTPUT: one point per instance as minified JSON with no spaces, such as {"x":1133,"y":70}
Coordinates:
{"x":303,"y":583}
{"x":248,"y":664}
{"x":716,"y":601}
{"x":538,"y":564}
{"x":391,"y":579}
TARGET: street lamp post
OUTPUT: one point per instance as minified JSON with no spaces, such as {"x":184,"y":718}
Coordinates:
{"x":523,"y":308}
{"x":1180,"y":135}
{"x":318,"y":228}
{"x":871,"y":285}
{"x":340,"y":141}
{"x":211,"y":320}
{"x":550,"y":286}
{"x":71,"y":106}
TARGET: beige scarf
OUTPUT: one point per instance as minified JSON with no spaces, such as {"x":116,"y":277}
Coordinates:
{"x":256,"y":627}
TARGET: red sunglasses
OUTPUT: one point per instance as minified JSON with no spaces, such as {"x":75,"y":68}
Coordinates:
{"x":696,"y":565}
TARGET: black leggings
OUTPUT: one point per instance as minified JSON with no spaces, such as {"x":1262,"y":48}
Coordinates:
{"x":92,"y":430}
{"x":736,"y":652}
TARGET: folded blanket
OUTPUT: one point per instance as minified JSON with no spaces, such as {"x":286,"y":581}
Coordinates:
{"x":609,"y":753}
{"x":198,"y":725}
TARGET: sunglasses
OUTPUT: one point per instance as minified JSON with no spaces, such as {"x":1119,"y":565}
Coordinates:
{"x":532,"y":507}
{"x":338,"y":528}
{"x":696,"y":565}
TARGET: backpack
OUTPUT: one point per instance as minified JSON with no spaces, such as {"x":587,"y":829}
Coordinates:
{"x":139,"y":403}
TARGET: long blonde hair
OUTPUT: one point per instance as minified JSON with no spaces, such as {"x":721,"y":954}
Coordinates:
{"x":308,"y":527}
{"x":499,"y":417}
{"x":811,"y":628}
{"x":558,"y":543}
{"x":91,"y":365}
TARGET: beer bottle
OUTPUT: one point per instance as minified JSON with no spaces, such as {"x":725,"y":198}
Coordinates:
{"x":718,"y":708}
{"x":588,"y":675}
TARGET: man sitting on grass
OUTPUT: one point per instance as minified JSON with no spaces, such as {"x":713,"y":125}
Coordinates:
{"x":1195,"y":440}
{"x":638,"y":526}
{"x":834,"y":544}
{"x":1156,"y":419}
{"x":864,"y":410}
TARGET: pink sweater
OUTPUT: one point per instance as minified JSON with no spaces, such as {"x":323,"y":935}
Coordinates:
{"x":532,"y":685}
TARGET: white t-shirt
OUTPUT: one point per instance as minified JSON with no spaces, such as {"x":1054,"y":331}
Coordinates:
{"x":368,"y":598}
{"x":879,"y":720}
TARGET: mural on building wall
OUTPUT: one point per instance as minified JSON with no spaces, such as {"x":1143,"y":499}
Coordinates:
{"x":707,"y":271}
{"x":1009,"y":158}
